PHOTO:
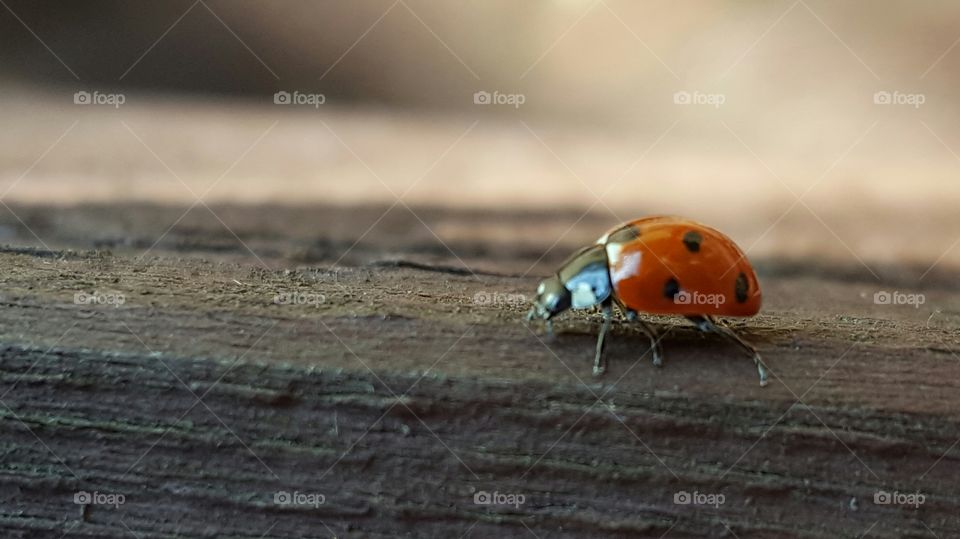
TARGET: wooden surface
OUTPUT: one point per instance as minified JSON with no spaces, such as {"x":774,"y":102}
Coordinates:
{"x":406,"y":382}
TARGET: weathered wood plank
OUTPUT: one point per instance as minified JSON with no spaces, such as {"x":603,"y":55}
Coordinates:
{"x":399,"y":396}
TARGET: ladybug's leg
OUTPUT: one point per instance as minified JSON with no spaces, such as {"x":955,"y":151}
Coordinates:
{"x":599,"y":366}
{"x":707,"y":323}
{"x":655,"y":348}
{"x":647,"y":330}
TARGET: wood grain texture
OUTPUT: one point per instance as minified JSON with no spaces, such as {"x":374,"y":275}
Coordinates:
{"x":403,"y":385}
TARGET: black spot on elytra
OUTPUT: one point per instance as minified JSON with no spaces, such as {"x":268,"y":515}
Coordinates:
{"x":692,"y":240}
{"x":741,"y":288}
{"x":624,"y":235}
{"x":671,"y":288}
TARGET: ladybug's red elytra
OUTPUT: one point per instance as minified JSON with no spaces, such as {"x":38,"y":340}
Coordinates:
{"x":656,"y":265}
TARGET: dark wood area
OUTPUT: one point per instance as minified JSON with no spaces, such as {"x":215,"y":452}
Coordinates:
{"x":402,"y":382}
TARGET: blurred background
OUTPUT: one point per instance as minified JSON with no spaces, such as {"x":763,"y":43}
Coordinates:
{"x":807,"y":130}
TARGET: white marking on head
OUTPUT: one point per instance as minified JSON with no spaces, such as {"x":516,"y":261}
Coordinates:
{"x":541,"y":288}
{"x":628,"y":266}
{"x":613,"y":251}
{"x":582,"y":296}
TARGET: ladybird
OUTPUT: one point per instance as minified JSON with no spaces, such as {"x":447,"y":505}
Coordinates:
{"x":656,"y":265}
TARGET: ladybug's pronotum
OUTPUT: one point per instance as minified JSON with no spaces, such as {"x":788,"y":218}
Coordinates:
{"x":656,"y":265}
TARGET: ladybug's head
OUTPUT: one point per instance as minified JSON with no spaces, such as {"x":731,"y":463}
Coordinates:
{"x":552,"y":299}
{"x":581,"y":282}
